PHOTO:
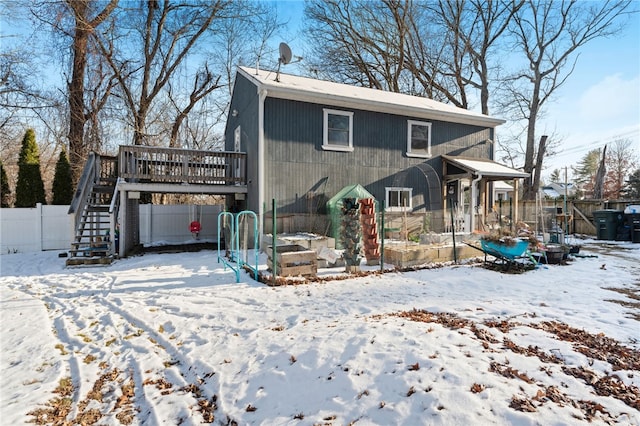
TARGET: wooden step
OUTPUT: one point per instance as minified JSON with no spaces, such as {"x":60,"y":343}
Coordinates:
{"x":100,"y":208}
{"x":103,"y":189}
{"x":79,"y":261}
{"x":77,"y":244}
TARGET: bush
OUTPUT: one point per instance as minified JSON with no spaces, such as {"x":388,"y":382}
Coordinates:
{"x":5,"y":191}
{"x":30,"y":188}
{"x":62,"y":181}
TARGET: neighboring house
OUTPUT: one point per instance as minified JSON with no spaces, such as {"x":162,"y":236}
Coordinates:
{"x":306,"y":139}
{"x":502,"y":191}
{"x":559,"y":190}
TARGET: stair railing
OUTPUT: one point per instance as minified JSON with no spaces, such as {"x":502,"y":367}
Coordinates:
{"x":114,"y":211}
{"x":85,"y":185}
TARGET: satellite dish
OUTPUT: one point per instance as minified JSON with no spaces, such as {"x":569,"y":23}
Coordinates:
{"x":285,"y":54}
{"x":285,"y":58}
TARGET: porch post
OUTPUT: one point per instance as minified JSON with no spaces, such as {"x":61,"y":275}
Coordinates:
{"x":124,"y":228}
{"x":515,"y":200}
{"x":483,"y":204}
{"x":475,"y":204}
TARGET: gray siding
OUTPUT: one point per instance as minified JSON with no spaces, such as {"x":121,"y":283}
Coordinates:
{"x":301,"y":176}
{"x":245,"y":101}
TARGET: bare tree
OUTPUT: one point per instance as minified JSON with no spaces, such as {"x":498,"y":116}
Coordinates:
{"x":621,"y":161}
{"x":236,"y":41}
{"x":245,"y":41}
{"x":204,"y":83}
{"x":598,"y":186}
{"x":87,"y":16}
{"x":150,"y":50}
{"x":475,"y":28}
{"x":441,"y":50}
{"x":585,"y":171}
{"x":549,"y":34}
{"x":25,"y":99}
{"x":359,"y":42}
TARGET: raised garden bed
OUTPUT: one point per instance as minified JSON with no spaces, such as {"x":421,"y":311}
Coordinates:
{"x":293,"y":260}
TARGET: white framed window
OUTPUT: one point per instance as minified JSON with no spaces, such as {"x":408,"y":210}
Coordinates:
{"x":418,"y":139}
{"x":237,"y":139}
{"x":237,"y":146}
{"x":338,"y":130}
{"x":398,"y":199}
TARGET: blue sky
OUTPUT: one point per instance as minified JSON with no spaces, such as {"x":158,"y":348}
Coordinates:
{"x":601,"y":100}
{"x":598,"y":104}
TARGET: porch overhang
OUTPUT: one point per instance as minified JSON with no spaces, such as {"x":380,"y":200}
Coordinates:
{"x":480,"y":171}
{"x":457,"y":167}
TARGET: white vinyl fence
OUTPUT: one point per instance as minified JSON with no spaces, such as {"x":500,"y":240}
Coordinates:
{"x":35,"y":229}
{"x":47,"y":227}
{"x":169,"y":224}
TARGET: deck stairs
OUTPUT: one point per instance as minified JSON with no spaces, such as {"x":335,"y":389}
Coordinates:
{"x":96,"y":208}
{"x":92,"y":208}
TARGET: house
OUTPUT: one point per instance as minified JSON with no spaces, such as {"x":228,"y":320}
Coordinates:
{"x":502,"y":191}
{"x":306,"y":139}
{"x":558,"y":190}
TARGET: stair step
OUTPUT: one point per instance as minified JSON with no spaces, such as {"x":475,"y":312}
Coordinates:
{"x":84,"y":244}
{"x":98,"y":208}
{"x":79,"y":261}
{"x":104,"y":189}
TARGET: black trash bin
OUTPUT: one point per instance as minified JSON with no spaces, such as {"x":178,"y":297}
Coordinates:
{"x":607,"y":222}
{"x":633,"y":222}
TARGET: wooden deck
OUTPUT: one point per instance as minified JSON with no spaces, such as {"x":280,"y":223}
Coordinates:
{"x":144,"y":164}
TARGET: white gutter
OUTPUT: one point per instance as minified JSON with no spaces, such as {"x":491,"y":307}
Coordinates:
{"x":262,"y":95}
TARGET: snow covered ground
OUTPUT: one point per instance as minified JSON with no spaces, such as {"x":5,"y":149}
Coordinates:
{"x":173,"y":339}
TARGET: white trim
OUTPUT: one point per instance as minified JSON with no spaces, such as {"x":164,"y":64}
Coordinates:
{"x":390,"y":208}
{"x":410,"y":153}
{"x":326,"y":145}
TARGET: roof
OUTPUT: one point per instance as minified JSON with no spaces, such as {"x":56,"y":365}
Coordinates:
{"x":350,"y":191}
{"x":556,"y":190}
{"x":550,"y":192}
{"x":501,"y":185}
{"x":485,"y":167}
{"x":343,"y":95}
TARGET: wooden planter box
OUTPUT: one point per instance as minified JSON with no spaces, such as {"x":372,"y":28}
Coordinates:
{"x":293,"y":260}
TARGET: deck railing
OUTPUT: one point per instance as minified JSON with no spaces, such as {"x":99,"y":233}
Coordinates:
{"x":167,"y":165}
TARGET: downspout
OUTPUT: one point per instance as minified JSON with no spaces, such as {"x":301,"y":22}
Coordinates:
{"x":474,"y":197}
{"x":262,"y":95}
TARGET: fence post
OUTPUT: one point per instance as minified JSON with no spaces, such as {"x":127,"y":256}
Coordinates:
{"x":40,"y":236}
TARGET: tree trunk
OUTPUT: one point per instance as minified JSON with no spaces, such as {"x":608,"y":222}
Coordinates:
{"x":77,"y":120}
{"x":542,"y":148}
{"x":598,"y":186}
{"x":83,"y":28}
{"x":528,"y":189}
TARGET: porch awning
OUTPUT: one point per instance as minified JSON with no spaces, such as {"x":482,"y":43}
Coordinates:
{"x":489,"y":169}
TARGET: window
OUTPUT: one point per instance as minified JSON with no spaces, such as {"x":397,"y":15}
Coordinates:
{"x":237,"y":138}
{"x":418,"y":139}
{"x":237,"y":163}
{"x":338,"y":130}
{"x":399,"y":199}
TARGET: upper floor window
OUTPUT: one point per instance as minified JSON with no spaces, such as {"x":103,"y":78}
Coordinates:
{"x":399,"y":199}
{"x":418,"y":139}
{"x":338,"y":130}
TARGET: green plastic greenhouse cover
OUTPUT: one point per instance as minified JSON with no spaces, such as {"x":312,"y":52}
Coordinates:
{"x":334,"y":208}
